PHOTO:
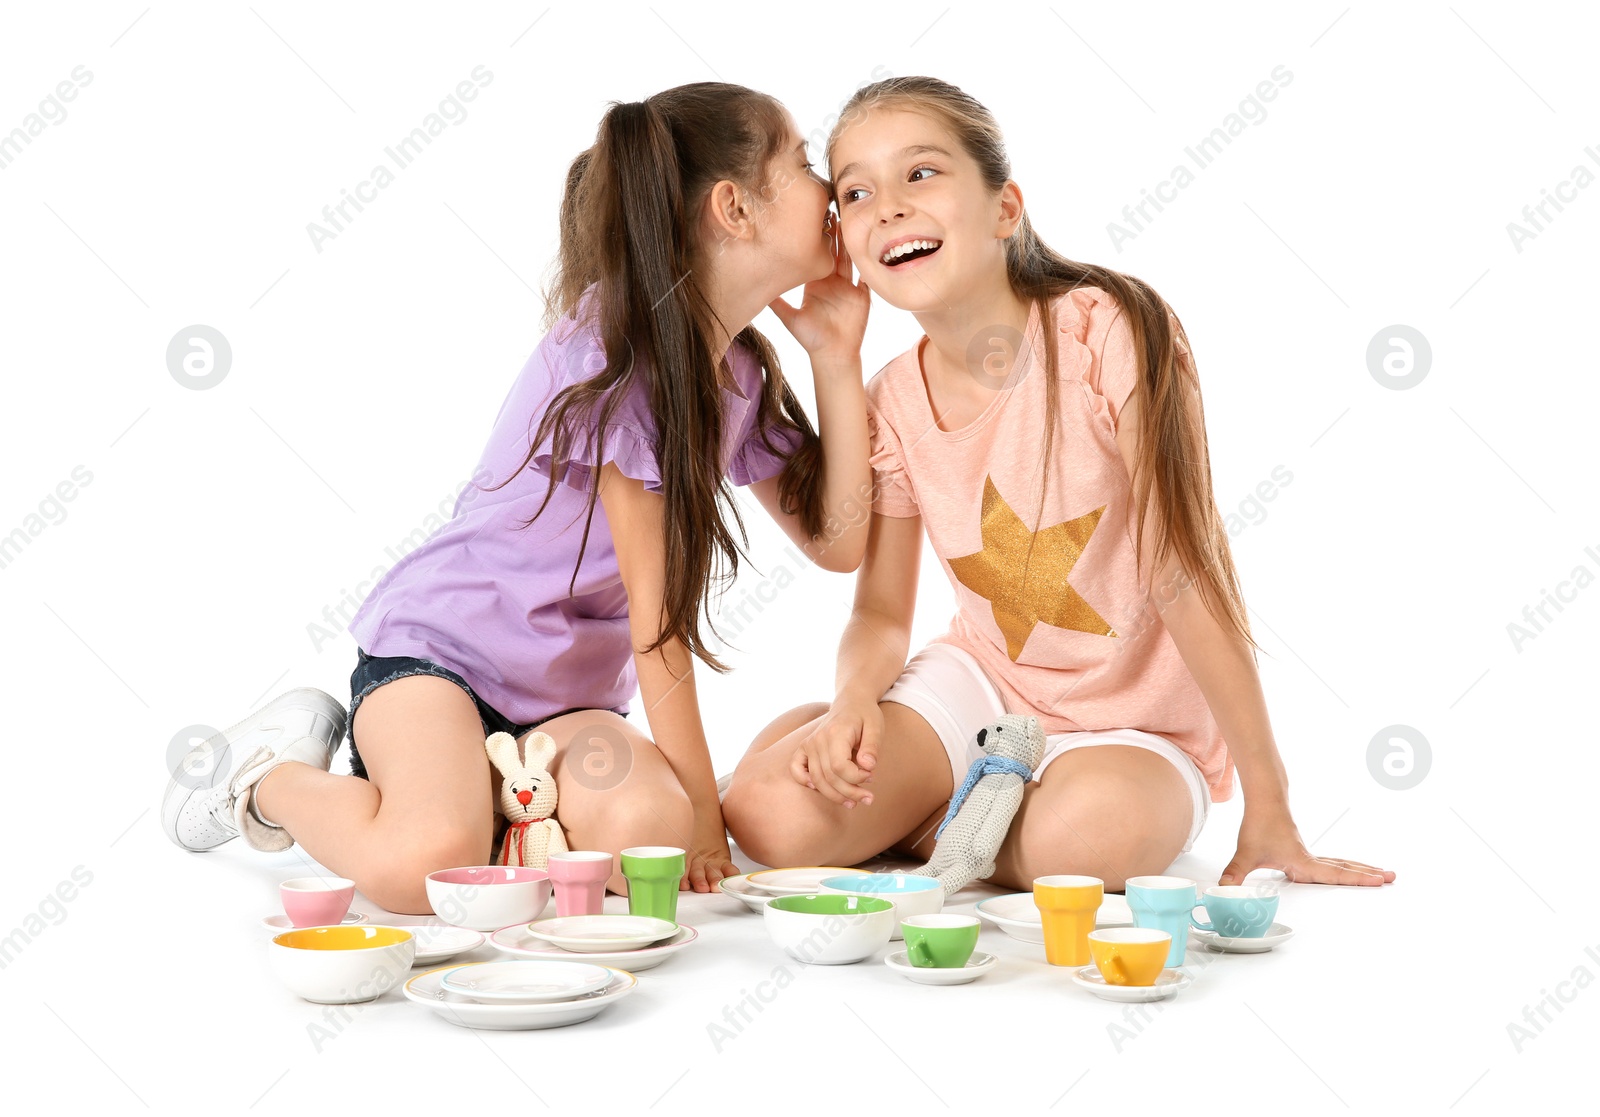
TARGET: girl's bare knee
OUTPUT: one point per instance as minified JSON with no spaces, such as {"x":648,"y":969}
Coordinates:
{"x":645,"y":806}
{"x":400,"y":884}
{"x":1079,"y":833}
{"x":766,"y":816}
{"x":786,"y":723}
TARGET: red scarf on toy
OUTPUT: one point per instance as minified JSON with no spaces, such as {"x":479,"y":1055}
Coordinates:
{"x":520,"y":831}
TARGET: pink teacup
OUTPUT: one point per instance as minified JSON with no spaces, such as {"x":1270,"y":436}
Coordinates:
{"x":316,"y":901}
{"x":580,"y":879}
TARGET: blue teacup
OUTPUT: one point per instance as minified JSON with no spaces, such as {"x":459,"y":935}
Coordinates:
{"x":1164,"y":903}
{"x":1238,"y":911}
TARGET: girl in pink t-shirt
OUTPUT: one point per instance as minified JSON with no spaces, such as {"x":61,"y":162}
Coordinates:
{"x":577,"y":564}
{"x":1047,"y":436}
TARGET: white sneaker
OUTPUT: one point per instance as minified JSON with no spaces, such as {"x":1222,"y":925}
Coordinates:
{"x":208,"y":800}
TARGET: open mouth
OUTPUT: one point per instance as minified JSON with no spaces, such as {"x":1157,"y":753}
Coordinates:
{"x":907,"y":251}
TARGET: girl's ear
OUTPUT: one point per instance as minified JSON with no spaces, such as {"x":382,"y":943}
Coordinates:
{"x":1011,"y":210}
{"x":728,"y":212}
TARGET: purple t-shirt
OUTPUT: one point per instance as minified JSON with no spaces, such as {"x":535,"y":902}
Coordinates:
{"x":489,"y":599}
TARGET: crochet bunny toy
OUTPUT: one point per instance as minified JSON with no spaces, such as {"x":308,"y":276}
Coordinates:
{"x":527,"y":799}
{"x":982,"y":808}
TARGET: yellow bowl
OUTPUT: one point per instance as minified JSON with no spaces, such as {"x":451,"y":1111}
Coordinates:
{"x":342,"y":965}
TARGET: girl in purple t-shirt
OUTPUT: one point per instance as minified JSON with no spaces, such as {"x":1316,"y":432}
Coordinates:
{"x":577,"y":565}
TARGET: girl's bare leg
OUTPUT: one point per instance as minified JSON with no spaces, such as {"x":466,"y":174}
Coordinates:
{"x":614,"y":788}
{"x":780,"y":822}
{"x":428,"y":804}
{"x":1107,"y":811}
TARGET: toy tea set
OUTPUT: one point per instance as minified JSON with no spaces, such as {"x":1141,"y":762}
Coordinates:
{"x":826,"y":916}
{"x":572,"y":967}
{"x":564,"y":970}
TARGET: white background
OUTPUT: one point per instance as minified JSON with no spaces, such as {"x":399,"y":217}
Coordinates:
{"x":178,"y":585}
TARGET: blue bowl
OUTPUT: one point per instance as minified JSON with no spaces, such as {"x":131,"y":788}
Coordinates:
{"x":881,"y":884}
{"x":910,"y":895}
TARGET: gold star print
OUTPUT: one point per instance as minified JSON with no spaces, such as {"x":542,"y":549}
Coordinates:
{"x":1024,"y":589}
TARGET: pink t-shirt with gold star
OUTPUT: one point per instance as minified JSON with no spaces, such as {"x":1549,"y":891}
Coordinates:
{"x":1070,"y":635}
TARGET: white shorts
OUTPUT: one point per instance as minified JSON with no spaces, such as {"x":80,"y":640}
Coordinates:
{"x":950,"y":690}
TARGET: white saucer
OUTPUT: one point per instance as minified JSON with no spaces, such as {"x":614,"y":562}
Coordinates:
{"x":602,"y":934}
{"x":1277,"y":933}
{"x":1016,"y":915}
{"x":1166,"y":985}
{"x":281,"y":922}
{"x":741,"y":889}
{"x":517,"y":940}
{"x":525,"y":981}
{"x":798,"y":882}
{"x":428,"y":990}
{"x":435,"y":944}
{"x":978,"y":965}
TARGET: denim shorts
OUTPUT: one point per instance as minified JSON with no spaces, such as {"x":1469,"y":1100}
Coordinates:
{"x":373,"y":671}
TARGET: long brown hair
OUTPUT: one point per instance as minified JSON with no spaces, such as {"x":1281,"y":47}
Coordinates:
{"x":628,"y":220}
{"x":1173,"y":456}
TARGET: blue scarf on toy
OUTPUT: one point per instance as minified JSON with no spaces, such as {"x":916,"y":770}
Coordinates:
{"x":981,"y":767}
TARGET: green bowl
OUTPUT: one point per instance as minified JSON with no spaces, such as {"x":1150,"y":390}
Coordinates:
{"x":831,"y":905}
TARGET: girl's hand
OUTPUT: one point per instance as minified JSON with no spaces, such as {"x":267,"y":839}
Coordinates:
{"x":832,"y":318}
{"x":838,"y":758}
{"x":707,"y":863}
{"x":1270,"y":840}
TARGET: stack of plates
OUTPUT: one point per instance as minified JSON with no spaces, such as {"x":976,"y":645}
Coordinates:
{"x":753,"y":890}
{"x":510,"y":996}
{"x":634,"y":942}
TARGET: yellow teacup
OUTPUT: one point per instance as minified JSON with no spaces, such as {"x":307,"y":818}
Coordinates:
{"x":1067,"y":907}
{"x":1130,"y":955}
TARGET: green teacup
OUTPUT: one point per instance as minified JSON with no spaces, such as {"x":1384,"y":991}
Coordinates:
{"x":942,"y":942}
{"x":653,"y":874}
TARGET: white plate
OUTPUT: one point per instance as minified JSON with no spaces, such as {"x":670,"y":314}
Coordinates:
{"x":798,"y":882}
{"x":281,"y":922}
{"x":978,"y":965}
{"x":428,"y":990}
{"x":602,"y":934}
{"x":741,"y":889}
{"x":516,"y":940}
{"x":526,"y":981}
{"x":435,"y":944}
{"x":1016,"y":915}
{"x":1165,"y":986}
{"x":1276,"y":934}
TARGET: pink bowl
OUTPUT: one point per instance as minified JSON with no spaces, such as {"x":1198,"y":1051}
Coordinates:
{"x":488,"y":897}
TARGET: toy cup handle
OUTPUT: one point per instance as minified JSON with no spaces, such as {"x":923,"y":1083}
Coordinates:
{"x":1195,"y":923}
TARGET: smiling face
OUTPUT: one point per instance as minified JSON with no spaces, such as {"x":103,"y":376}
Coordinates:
{"x":920,"y":223}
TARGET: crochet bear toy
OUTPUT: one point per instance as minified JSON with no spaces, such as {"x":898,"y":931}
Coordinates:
{"x":982,"y":808}
{"x":527,"y":799}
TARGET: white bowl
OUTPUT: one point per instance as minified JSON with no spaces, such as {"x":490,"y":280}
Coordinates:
{"x":829,"y":929}
{"x":342,"y":965}
{"x":488,"y":897}
{"x":911,"y":895}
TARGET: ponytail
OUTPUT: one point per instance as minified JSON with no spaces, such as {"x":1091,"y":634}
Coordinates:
{"x":626,"y":217}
